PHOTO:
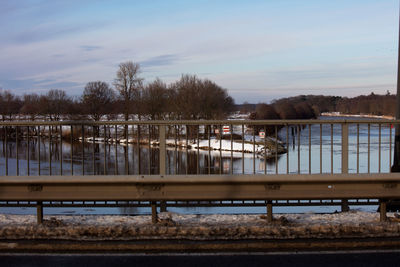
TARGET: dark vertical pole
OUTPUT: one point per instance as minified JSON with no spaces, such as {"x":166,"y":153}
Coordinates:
{"x":126,"y":150}
{"x":254,"y":149}
{"x":345,"y":160}
{"x":61,"y":150}
{"x":150,"y":149}
{"x":209,"y":148}
{"x":265,"y":150}
{"x":198,"y":152}
{"x":176,"y":158}
{"x":138,"y":146}
{"x":72,"y":150}
{"x":309,"y":148}
{"x":320,"y":148}
{"x":39,"y":150}
{"x":242,"y":148}
{"x":298,"y":149}
{"x":270,"y":217}
{"x":287,"y":148}
{"x":105,"y":150}
{"x":116,"y":151}
{"x":50,"y":150}
{"x":276,"y":148}
{"x":382,"y":210}
{"x":220,"y":149}
{"x":162,"y":149}
{"x":396,"y":159}
{"x":154,"y":216}
{"x":39,"y":212}
{"x":133,"y":149}
{"x":162,"y":156}
{"x":83,"y":150}
{"x":17,"y":148}
{"x":6,"y":146}
{"x":187,"y":153}
{"x":93,"y":150}
{"x":28,"y":153}
{"x":231,"y":126}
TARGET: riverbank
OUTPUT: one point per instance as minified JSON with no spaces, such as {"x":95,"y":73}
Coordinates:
{"x":370,"y":116}
{"x":173,"y":226}
{"x":267,"y":147}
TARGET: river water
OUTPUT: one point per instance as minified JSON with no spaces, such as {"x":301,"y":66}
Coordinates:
{"x":91,"y":159}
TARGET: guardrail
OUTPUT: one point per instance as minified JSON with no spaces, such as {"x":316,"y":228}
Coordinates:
{"x":322,"y":175}
{"x":158,"y":188}
{"x":183,"y":134}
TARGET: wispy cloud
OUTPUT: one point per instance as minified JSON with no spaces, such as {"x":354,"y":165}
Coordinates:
{"x":89,"y":48}
{"x":35,"y":84}
{"x":47,"y":32}
{"x":161,"y":60}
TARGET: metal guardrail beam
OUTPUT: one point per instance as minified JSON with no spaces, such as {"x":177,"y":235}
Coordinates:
{"x":199,"y":191}
{"x":155,"y":188}
{"x":205,"y":179}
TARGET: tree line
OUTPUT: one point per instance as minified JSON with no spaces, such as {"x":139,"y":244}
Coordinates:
{"x":311,"y":106}
{"x":188,"y":98}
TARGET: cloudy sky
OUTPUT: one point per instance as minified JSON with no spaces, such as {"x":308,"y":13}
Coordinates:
{"x":257,"y":50}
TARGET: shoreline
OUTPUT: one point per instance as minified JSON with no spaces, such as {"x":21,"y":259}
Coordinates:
{"x":370,"y":116}
{"x":262,"y":148}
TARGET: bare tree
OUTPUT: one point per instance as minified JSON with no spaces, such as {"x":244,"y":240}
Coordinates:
{"x":9,"y":104}
{"x":74,"y":108}
{"x":215,"y":101}
{"x":187,"y":97}
{"x":285,"y":110}
{"x":264,"y":112}
{"x":54,"y":104}
{"x":128,"y":84}
{"x":97,"y":99}
{"x":155,"y":99}
{"x":201,"y":99}
{"x":31,"y":106}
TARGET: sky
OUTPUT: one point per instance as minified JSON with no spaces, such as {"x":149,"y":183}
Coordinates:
{"x":257,"y":50}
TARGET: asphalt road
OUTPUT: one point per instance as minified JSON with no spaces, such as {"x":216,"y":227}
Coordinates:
{"x":342,"y":259}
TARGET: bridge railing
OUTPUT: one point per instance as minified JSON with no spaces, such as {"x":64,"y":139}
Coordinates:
{"x":193,"y":147}
{"x":240,"y":149}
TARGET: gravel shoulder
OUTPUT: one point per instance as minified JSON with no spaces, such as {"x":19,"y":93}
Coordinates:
{"x":353,"y":224}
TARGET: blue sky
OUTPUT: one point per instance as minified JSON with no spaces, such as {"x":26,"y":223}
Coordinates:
{"x":257,"y":50}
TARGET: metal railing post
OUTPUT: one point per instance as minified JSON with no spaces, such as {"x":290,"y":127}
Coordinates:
{"x":154,"y":217}
{"x":39,"y":212}
{"x":345,"y":159}
{"x":382,"y":210}
{"x":163,"y":152}
{"x":270,"y":217}
{"x":162,"y":149}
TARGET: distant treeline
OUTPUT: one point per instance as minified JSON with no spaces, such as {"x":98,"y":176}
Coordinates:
{"x":311,"y":106}
{"x":188,"y":98}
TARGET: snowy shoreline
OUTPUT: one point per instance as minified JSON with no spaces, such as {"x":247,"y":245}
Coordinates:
{"x":370,"y":116}
{"x":214,"y":144}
